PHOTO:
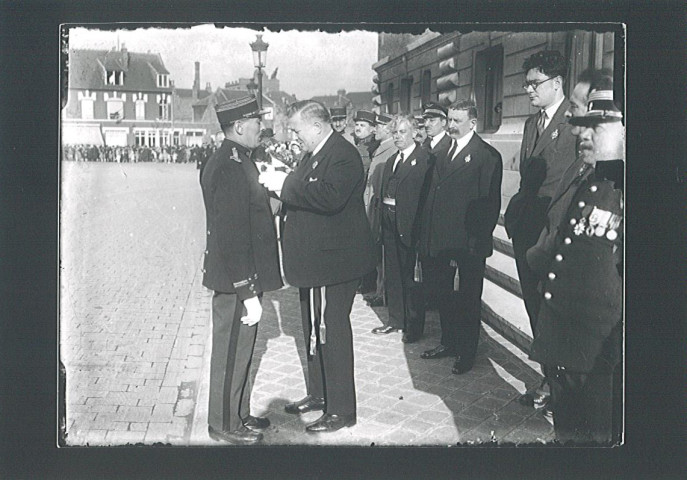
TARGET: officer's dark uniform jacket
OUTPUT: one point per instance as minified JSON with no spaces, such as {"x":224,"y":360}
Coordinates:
{"x":327,"y":238}
{"x":582,"y":288}
{"x":405,"y":186}
{"x":241,"y":255}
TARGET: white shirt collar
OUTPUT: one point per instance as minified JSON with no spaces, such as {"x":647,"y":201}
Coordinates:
{"x":407,"y":151}
{"x":551,"y":111}
{"x":321,"y":144}
{"x":462,"y":142}
{"x":433,"y":142}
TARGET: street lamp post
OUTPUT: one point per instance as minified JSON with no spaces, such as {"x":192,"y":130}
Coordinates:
{"x":259,"y":48}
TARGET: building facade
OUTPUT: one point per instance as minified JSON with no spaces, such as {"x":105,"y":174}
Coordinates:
{"x":483,"y":66}
{"x":120,"y":98}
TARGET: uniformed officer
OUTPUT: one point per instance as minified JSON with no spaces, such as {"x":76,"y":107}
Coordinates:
{"x":365,"y":136}
{"x":402,"y":183}
{"x":240,"y":264}
{"x":435,"y":123}
{"x":372,"y":200}
{"x":339,"y":119}
{"x":327,"y":248}
{"x":580,"y":319}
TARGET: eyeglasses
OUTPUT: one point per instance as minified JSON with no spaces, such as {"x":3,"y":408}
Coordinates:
{"x":534,"y":84}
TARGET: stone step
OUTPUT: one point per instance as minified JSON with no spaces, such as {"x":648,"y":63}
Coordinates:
{"x":501,"y":270}
{"x":501,"y":241}
{"x":505,"y":312}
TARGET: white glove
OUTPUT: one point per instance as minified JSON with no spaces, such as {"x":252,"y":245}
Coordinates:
{"x":273,"y":180}
{"x":253,"y":311}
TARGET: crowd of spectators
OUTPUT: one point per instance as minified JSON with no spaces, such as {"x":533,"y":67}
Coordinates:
{"x":134,"y":154}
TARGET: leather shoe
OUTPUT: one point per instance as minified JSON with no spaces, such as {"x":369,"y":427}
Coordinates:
{"x":410,"y":337}
{"x":438,"y":352}
{"x":305,"y":405}
{"x":331,"y":423}
{"x":384,"y":329}
{"x":460,"y":366}
{"x":257,"y":423}
{"x":240,"y":436}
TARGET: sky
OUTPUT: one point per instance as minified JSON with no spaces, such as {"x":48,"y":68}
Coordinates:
{"x":310,"y":63}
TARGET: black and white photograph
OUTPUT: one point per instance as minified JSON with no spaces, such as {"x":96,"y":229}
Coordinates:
{"x":362,"y":238}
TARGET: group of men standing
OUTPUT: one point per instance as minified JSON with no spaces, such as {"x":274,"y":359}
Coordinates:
{"x":382,"y":213}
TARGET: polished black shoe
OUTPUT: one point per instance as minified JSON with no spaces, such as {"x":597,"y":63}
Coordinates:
{"x":331,"y":423}
{"x":307,"y":404}
{"x":256,"y":423}
{"x":384,"y":329}
{"x":438,"y":352}
{"x":410,"y":337}
{"x":461,"y":366}
{"x":240,"y":436}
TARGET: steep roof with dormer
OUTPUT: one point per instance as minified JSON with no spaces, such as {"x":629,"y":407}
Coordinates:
{"x":87,"y":70}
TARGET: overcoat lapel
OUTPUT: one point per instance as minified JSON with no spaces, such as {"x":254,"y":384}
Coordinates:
{"x":459,"y":163}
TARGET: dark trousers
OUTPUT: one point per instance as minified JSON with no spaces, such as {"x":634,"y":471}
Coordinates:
{"x":330,"y":369}
{"x":459,"y":312}
{"x":404,"y":296}
{"x":232,"y":351}
{"x":582,"y":405}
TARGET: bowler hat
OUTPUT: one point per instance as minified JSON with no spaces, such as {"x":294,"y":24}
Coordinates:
{"x":337,"y":112}
{"x":364,"y":116}
{"x":238,"y":108}
{"x":600,"y":109}
{"x":382,"y":119}
{"x":432,"y":109}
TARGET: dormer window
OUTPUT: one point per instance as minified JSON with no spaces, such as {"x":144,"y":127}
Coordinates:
{"x":163,"y":80}
{"x":115,"y":77}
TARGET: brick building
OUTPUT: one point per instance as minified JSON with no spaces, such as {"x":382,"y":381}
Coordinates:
{"x":118,"y":97}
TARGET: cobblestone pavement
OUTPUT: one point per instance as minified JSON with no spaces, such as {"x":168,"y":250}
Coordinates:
{"x":135,"y":325}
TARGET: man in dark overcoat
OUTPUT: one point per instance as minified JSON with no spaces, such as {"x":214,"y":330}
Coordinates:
{"x":458,"y":219}
{"x":327,"y":247}
{"x":579,"y":255}
{"x":402,"y":182}
{"x":241,"y":262}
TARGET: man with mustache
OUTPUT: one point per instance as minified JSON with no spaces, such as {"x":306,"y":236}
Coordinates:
{"x":579,"y":255}
{"x":458,"y":219}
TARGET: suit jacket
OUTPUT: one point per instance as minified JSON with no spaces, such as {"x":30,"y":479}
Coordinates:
{"x":557,"y":147}
{"x":411,"y":177}
{"x":326,"y":237}
{"x":462,"y":205}
{"x":373,"y":187}
{"x":582,"y":303}
{"x":241,"y":255}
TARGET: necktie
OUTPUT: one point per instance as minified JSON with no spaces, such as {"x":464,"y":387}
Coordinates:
{"x":452,"y":150}
{"x":398,"y":162}
{"x":541,"y":122}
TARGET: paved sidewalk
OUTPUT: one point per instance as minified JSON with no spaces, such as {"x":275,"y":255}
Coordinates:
{"x":135,"y":325}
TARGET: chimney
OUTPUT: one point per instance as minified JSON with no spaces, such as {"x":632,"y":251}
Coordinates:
{"x":196,"y":81}
{"x":208,"y":87}
{"x":124,"y":47}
